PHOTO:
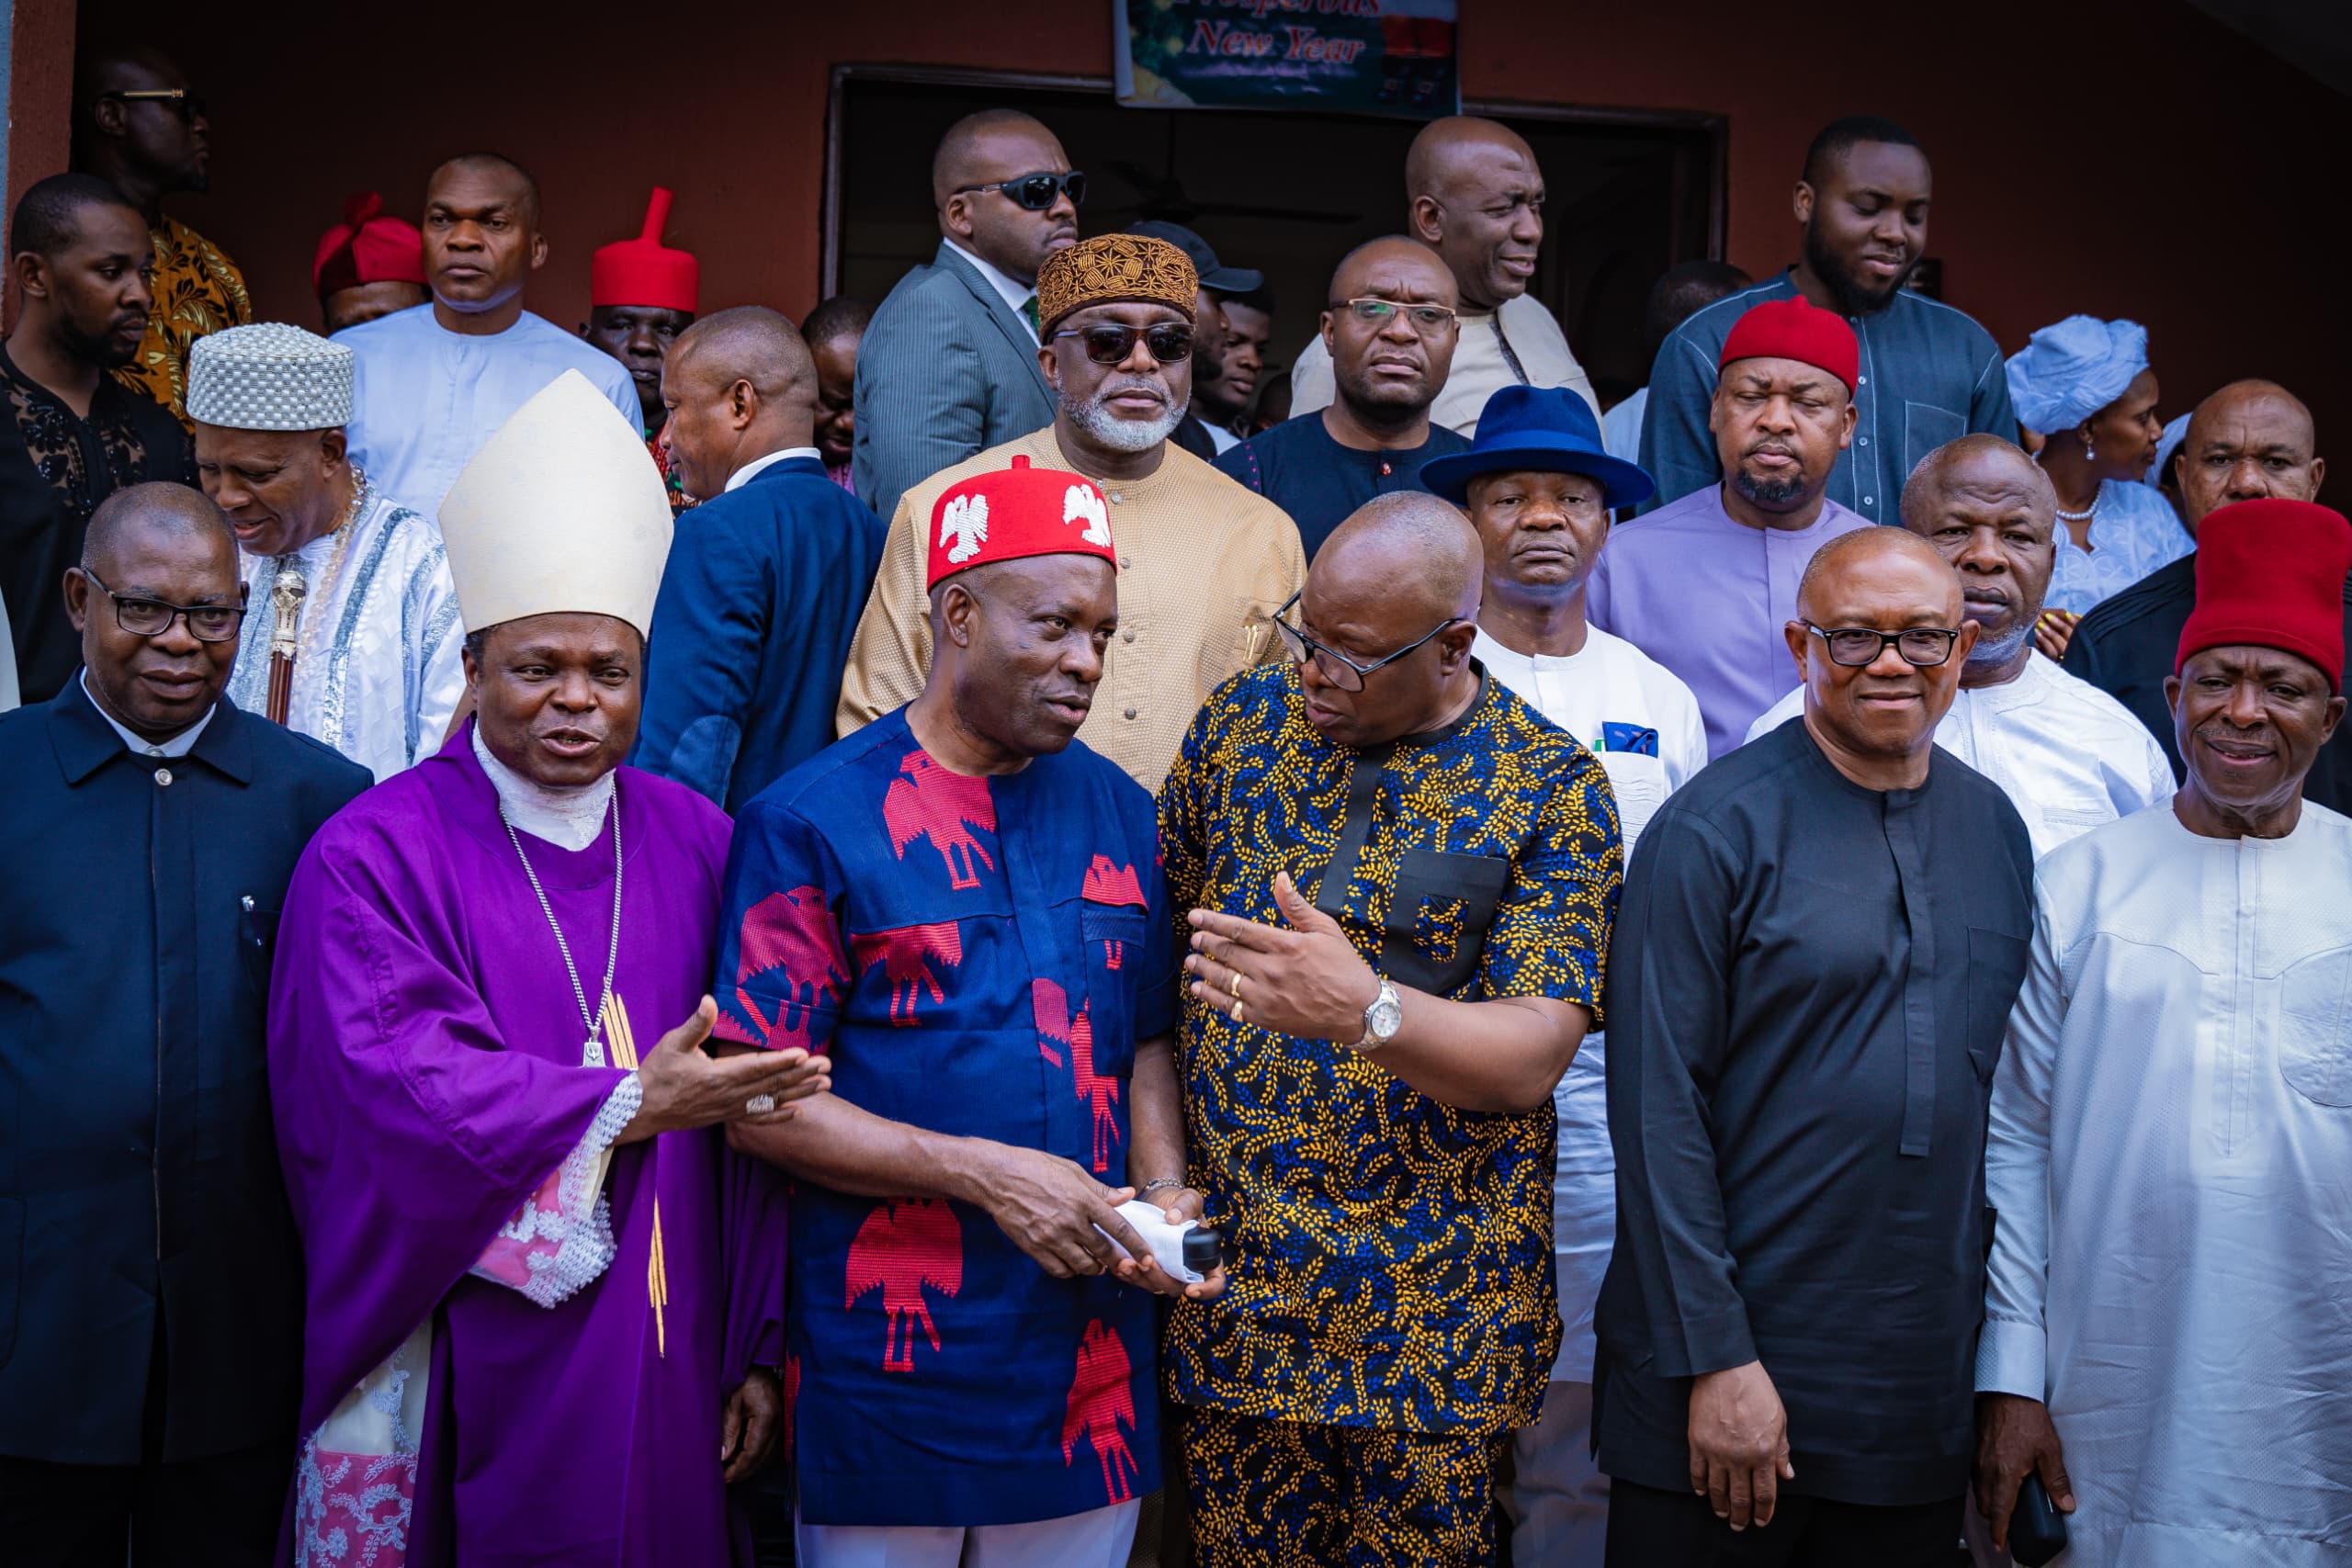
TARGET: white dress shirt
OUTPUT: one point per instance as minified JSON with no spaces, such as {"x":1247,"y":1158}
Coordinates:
{"x":2171,"y":1160}
{"x":1010,"y":289}
{"x":743,"y":475}
{"x":1612,"y":697}
{"x":1480,"y":367}
{"x":2069,"y":757}
{"x":179,"y":745}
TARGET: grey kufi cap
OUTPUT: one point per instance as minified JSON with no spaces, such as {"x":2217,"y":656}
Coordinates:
{"x":269,"y":376}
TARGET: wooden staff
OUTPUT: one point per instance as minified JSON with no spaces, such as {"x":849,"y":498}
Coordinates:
{"x":286,"y":601}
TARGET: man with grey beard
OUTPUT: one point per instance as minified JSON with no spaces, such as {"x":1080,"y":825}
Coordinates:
{"x":2068,"y":756}
{"x":1203,"y":563}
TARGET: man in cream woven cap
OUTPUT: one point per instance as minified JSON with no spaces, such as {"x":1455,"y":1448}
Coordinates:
{"x":501,"y":1133}
{"x":375,"y":663}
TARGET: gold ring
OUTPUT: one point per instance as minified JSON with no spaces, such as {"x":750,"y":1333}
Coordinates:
{"x":1237,"y":985}
{"x":1237,"y":1009}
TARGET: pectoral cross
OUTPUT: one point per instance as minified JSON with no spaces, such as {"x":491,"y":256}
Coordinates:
{"x":657,"y":1268}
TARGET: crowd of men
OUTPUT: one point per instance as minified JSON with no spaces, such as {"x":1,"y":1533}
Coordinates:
{"x":638,"y":938}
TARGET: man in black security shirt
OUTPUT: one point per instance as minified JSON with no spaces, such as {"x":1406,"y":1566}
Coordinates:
{"x":1821,"y":938}
{"x":70,"y":434}
{"x":2249,"y":440}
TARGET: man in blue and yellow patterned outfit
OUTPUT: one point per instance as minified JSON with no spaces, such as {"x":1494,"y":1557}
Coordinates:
{"x":1401,"y":880}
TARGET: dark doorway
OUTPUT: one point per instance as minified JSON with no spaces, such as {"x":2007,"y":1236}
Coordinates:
{"x":1628,"y":194}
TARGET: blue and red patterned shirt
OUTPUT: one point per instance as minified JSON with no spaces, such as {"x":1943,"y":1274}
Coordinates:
{"x":979,"y":956}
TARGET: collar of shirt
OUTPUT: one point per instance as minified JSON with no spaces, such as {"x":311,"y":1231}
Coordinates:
{"x":179,"y":745}
{"x":743,"y":475}
{"x":1014,"y":293}
{"x":569,"y":818}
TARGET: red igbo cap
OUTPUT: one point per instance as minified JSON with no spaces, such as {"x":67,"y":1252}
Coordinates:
{"x":644,"y":271}
{"x":367,"y":247}
{"x":2270,"y":574}
{"x":1014,"y":513}
{"x":1795,"y":329}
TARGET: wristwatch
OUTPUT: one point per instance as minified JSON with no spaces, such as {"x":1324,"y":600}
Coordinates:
{"x":1382,"y":1019}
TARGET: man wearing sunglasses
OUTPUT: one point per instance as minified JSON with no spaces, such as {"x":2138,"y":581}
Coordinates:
{"x":949,"y":364}
{"x":1391,"y":329}
{"x":154,"y":1293}
{"x":1203,"y":562}
{"x":1401,"y":880}
{"x":137,"y":126}
{"x":1822,"y":936}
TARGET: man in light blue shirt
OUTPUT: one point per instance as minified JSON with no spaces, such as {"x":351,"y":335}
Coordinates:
{"x":1929,"y":374}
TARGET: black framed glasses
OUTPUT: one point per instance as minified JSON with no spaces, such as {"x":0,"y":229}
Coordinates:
{"x":153,"y":617}
{"x":179,"y":100}
{"x":1426,"y":320}
{"x":1108,"y":343}
{"x":1036,"y":192}
{"x":1337,"y":667}
{"x":1854,"y":647}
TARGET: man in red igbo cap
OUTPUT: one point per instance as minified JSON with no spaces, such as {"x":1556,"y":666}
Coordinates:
{"x":641,"y":295}
{"x":2172,"y":1119}
{"x":963,"y":905}
{"x":1704,"y":584}
{"x":369,"y":265}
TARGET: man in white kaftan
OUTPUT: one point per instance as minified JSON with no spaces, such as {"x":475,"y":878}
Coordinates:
{"x":376,"y":672}
{"x":2068,"y":756}
{"x":2165,"y":1341}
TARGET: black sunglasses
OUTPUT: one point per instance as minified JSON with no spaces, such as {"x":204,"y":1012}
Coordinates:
{"x":153,"y":617}
{"x":1337,"y":667}
{"x":1855,"y":646}
{"x":179,"y":100}
{"x":1170,"y":342}
{"x":1036,"y":192}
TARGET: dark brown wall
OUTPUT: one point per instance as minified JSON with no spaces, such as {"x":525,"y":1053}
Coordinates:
{"x":2125,"y":157}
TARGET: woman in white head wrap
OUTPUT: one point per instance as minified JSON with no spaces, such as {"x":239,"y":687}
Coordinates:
{"x":2085,"y":384}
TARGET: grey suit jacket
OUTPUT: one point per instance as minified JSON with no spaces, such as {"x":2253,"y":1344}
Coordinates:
{"x":946,"y":370}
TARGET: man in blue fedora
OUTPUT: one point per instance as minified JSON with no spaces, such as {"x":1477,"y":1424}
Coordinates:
{"x":1539,"y":486}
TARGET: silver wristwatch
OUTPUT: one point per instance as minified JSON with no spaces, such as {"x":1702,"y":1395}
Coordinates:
{"x":1382,"y":1019}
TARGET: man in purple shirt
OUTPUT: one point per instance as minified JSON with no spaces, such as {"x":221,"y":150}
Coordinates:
{"x":1704,"y":584}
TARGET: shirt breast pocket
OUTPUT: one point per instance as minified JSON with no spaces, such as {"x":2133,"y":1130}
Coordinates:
{"x":1924,"y":428}
{"x":2314,"y":1017}
{"x":256,"y":939}
{"x":1114,"y":943}
{"x":1436,"y":922}
{"x":1997,"y":963}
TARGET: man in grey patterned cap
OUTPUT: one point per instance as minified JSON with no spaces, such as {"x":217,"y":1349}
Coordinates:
{"x":371,"y":631}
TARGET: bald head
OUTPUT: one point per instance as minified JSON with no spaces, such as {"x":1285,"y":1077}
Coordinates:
{"x":1395,"y":590}
{"x":1989,"y":510}
{"x":1879,"y":645}
{"x":165,"y":545}
{"x":2249,"y":440}
{"x":1410,"y":552}
{"x":748,"y":343}
{"x":1981,"y":465}
{"x":157,"y":510}
{"x":976,"y":147}
{"x":1867,"y":552}
{"x":977,"y":156}
{"x":1474,"y":194}
{"x":737,"y":385}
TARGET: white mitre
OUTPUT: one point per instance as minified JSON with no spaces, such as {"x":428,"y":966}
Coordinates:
{"x":561,"y":511}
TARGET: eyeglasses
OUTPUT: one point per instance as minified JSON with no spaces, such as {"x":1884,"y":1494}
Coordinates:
{"x":179,"y":100}
{"x":1855,"y":646}
{"x":154,"y":617}
{"x":1170,"y":342}
{"x":1036,"y":192}
{"x":1337,"y":667}
{"x":1425,"y":319}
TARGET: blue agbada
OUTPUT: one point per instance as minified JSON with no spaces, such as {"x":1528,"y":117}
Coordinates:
{"x":979,"y":956}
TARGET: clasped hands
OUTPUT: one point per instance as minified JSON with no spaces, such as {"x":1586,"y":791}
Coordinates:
{"x":1307,"y":981}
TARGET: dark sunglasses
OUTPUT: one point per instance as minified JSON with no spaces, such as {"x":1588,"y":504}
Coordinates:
{"x":179,"y":100}
{"x":154,"y":617}
{"x":1855,"y":646}
{"x":1170,"y":342}
{"x":1037,"y":192}
{"x":1337,"y":667}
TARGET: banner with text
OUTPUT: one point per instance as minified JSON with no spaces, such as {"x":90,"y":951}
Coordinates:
{"x":1361,"y":56}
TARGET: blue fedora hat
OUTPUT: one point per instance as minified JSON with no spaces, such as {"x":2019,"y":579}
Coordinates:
{"x":1548,"y":429}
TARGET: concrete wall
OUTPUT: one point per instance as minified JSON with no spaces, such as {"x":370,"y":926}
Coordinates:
{"x":2125,"y":157}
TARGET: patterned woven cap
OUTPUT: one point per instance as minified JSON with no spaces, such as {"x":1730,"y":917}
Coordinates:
{"x":269,"y":376}
{"x":1112,"y":267}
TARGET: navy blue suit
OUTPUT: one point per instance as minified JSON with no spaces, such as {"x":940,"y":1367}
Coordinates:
{"x":140,"y":1203}
{"x":752,"y":630}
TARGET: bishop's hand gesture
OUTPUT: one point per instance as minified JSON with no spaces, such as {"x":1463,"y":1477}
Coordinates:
{"x":684,"y":1087}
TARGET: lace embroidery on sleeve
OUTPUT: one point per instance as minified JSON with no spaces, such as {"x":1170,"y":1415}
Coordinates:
{"x":562,"y":1238}
{"x":354,"y":1486}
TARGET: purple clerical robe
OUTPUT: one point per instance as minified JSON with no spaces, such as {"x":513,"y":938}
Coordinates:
{"x":425,"y":1059}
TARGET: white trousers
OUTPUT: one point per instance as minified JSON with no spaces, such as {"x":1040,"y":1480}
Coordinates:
{"x":1559,"y":1502}
{"x":1098,"y":1539}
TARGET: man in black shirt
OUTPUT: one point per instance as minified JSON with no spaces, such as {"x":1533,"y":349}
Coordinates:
{"x":70,"y":434}
{"x":1390,"y":328}
{"x":1821,"y":938}
{"x":2249,"y":440}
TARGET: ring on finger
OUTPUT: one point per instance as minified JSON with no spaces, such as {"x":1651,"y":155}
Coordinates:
{"x":1237,"y":1009}
{"x":760,"y":1104}
{"x":1237,"y":985}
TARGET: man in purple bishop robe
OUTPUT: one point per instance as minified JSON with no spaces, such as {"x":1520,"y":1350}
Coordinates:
{"x":528,"y":1339}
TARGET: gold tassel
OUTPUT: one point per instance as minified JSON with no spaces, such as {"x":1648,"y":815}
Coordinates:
{"x":657,"y":1269}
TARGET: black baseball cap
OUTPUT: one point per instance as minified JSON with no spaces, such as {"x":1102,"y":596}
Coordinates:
{"x":1214,"y":275}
